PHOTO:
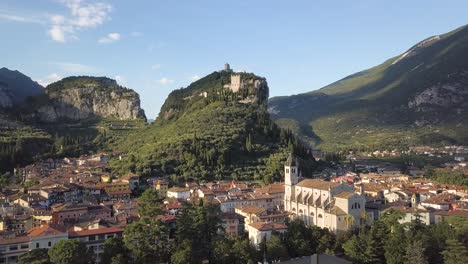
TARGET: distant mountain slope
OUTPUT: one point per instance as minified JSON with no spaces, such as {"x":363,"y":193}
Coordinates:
{"x":418,"y":97}
{"x":15,"y":87}
{"x":70,"y":117}
{"x":207,"y":131}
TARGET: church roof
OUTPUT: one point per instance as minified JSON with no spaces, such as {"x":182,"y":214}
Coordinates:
{"x":318,"y":184}
{"x":344,"y":195}
{"x":291,"y":161}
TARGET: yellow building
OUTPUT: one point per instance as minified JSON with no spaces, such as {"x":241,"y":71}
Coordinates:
{"x":161,"y":187}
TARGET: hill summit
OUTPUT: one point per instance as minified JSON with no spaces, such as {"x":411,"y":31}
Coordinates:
{"x":216,"y":128}
{"x":416,"y":98}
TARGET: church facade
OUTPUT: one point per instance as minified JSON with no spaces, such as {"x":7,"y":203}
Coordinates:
{"x":331,"y":205}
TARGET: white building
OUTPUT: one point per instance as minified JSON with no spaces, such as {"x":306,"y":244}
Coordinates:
{"x":178,"y":193}
{"x":263,"y":230}
{"x":330,"y":205}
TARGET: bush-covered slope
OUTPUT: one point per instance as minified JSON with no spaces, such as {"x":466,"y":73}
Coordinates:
{"x":205,"y":131}
{"x":419,"y":97}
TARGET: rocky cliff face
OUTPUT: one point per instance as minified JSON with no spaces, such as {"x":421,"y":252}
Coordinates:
{"x":80,"y":98}
{"x":450,"y":94}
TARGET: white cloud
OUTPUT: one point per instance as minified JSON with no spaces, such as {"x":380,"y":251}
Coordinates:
{"x":49,"y":79}
{"x":121,"y":80}
{"x":82,"y":16}
{"x":111,"y":37}
{"x":195,"y":77}
{"x":7,"y":16}
{"x":165,"y":81}
{"x":156,"y":66}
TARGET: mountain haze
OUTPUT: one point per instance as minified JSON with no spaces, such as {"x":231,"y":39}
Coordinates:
{"x":418,"y":97}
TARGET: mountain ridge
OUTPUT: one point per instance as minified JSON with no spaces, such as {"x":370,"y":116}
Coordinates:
{"x":381,"y":97}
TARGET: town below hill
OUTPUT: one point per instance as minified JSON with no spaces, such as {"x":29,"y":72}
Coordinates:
{"x":63,"y":203}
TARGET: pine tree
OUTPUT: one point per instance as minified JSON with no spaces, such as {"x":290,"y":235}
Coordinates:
{"x":415,"y":253}
{"x":455,"y":252}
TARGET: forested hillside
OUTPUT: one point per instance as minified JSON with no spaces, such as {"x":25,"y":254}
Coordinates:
{"x":208,"y":132}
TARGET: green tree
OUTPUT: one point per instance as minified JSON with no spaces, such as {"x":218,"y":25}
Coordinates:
{"x":275,"y":248}
{"x":395,"y":246}
{"x":35,"y":256}
{"x":148,"y":240}
{"x":149,"y":204}
{"x":183,"y":254}
{"x":70,"y":252}
{"x":415,"y":253}
{"x":455,"y":253}
{"x":114,"y":250}
{"x":242,"y":250}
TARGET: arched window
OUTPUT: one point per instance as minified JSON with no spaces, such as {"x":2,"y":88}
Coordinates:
{"x":312,"y":214}
{"x":320,"y":216}
{"x":294,"y":209}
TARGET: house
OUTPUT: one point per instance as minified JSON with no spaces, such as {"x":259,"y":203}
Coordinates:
{"x":250,"y":214}
{"x":178,"y":193}
{"x":94,"y":238}
{"x":263,"y":230}
{"x":161,"y":187}
{"x":232,"y":223}
{"x":133,"y":181}
{"x":12,"y":248}
{"x":46,"y":236}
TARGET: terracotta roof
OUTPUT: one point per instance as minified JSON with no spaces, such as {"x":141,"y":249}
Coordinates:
{"x":265,"y":226}
{"x":250,"y":209}
{"x":44,"y":231}
{"x":317,"y":184}
{"x":100,"y":231}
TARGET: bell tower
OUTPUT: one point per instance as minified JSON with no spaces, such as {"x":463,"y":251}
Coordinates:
{"x":291,"y":171}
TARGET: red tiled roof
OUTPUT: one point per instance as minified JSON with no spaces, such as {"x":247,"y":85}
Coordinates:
{"x":264,"y":226}
{"x":43,"y":231}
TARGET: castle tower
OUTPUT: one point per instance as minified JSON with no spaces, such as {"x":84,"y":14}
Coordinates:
{"x":227,"y":67}
{"x":236,"y":83}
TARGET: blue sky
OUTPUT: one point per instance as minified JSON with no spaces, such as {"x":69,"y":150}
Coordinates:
{"x":155,"y":46}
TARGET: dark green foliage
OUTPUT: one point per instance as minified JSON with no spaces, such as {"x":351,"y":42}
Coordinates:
{"x":70,"y":252}
{"x":371,"y":109}
{"x":149,"y":204}
{"x":455,"y":253}
{"x":148,"y":241}
{"x":449,"y":177}
{"x":115,"y":252}
{"x":198,"y":226}
{"x":35,"y":256}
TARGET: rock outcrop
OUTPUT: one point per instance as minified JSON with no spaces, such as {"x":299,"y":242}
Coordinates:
{"x":81,"y":98}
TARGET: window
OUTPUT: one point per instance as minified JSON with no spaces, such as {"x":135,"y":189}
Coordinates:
{"x":287,"y":170}
{"x":14,"y":247}
{"x":37,"y":245}
{"x":49,"y":244}
{"x":24,"y":246}
{"x":92,"y":238}
{"x":320,"y":216}
{"x":102,"y":237}
{"x":312,"y":214}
